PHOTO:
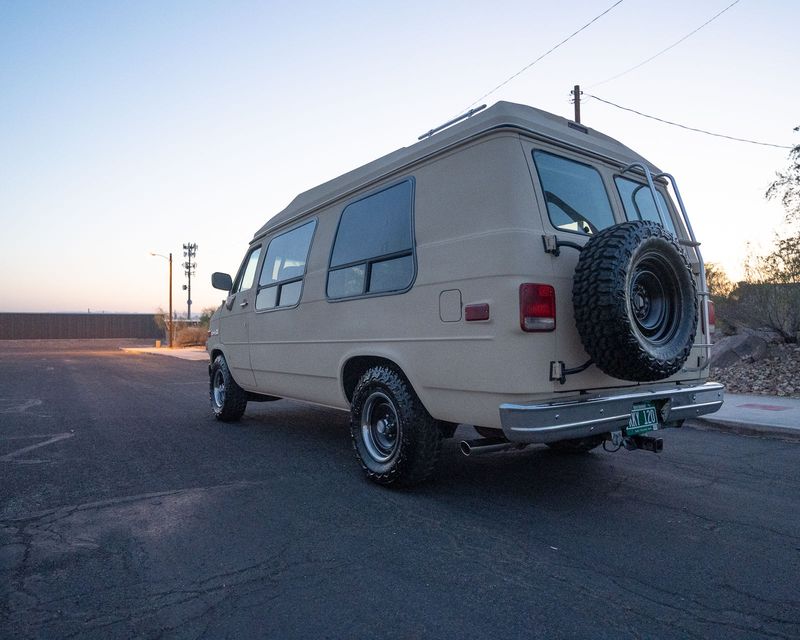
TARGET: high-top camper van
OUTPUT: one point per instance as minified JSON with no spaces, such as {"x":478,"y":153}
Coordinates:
{"x":516,"y":271}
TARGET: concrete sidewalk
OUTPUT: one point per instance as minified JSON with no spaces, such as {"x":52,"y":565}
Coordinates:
{"x":756,"y":415}
{"x":184,"y":353}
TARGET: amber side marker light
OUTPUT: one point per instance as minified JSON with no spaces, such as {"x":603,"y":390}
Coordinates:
{"x":537,"y":307}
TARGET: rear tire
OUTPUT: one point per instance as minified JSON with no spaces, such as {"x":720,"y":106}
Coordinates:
{"x":228,"y":399}
{"x":396,"y":440}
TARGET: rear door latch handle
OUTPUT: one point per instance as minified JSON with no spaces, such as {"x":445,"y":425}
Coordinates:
{"x":243,"y":303}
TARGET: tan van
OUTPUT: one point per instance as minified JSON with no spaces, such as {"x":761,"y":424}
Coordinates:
{"x":517,"y":272}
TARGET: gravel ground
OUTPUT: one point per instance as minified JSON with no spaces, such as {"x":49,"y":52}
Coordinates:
{"x":778,"y":374}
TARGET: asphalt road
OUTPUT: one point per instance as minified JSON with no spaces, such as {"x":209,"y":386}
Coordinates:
{"x":126,"y":510}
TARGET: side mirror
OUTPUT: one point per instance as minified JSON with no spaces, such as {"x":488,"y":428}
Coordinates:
{"x":221,"y":281}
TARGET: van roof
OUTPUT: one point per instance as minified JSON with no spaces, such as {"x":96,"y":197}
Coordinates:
{"x":502,"y":115}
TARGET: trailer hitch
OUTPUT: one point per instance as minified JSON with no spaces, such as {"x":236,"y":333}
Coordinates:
{"x":632,"y":443}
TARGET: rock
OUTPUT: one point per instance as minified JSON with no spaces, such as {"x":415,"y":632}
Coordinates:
{"x":733,"y":349}
{"x":776,"y":374}
{"x":770,"y":336}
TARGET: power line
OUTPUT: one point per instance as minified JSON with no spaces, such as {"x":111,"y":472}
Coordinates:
{"x":672,"y":46}
{"x":546,"y":53}
{"x":683,"y":126}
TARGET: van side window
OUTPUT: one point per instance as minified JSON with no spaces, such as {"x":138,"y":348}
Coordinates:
{"x":639,"y":203}
{"x":248,"y":272}
{"x":284,"y":267}
{"x":374,"y":251}
{"x":576,"y":198}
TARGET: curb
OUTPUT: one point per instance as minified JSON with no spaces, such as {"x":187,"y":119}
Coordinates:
{"x":747,"y":429}
{"x":166,"y":351}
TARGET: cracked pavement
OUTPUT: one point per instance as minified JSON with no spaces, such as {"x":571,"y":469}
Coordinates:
{"x":152,"y":520}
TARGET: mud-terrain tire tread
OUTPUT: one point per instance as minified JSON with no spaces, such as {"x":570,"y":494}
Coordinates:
{"x":602,"y":316}
{"x":421,"y":436}
{"x":235,"y":397}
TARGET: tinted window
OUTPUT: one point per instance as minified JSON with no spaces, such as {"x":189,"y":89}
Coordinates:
{"x":638,"y":202}
{"x":575,"y":195}
{"x":387,"y":274}
{"x":375,"y":226}
{"x":286,"y":255}
{"x":348,"y":281}
{"x":373,"y":249}
{"x":249,"y":274}
{"x":281,"y":279}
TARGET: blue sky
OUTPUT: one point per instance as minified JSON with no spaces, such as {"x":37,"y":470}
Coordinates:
{"x":134,"y":127}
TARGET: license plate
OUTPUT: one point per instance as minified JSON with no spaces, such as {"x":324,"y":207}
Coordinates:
{"x":644,"y":417}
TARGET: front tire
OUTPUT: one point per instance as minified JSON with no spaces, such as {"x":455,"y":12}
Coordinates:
{"x":396,"y":440}
{"x":228,"y":399}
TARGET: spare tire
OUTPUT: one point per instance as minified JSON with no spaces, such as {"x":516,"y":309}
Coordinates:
{"x":635,"y":301}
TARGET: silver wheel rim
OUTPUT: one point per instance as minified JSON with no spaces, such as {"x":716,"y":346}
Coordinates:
{"x":380,"y":427}
{"x":218,"y":387}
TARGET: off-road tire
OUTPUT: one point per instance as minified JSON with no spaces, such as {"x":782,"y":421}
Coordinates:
{"x":576,"y":445}
{"x":413,"y":454}
{"x":228,"y":406}
{"x":635,"y":302}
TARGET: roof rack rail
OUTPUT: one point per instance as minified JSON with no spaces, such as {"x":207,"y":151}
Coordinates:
{"x":464,"y":116}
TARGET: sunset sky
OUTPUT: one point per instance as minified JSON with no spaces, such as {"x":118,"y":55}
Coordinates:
{"x":131,"y":127}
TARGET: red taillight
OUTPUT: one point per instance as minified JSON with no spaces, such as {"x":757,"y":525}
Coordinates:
{"x":537,"y":307}
{"x":712,"y":317}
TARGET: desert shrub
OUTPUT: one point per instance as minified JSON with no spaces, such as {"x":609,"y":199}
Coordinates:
{"x":764,"y":304}
{"x":191,"y":336}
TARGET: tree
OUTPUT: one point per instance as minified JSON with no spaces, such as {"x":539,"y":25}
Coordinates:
{"x":205,"y":315}
{"x":719,"y":285}
{"x":770,"y":295}
{"x":786,"y":186}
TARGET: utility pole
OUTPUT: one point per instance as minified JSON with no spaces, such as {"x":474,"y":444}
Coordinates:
{"x":189,"y":252}
{"x":576,"y":99}
{"x":171,"y":323}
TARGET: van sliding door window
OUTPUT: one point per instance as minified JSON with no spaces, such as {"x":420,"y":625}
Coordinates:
{"x":575,"y":195}
{"x":284,"y":267}
{"x":638,"y":202}
{"x":374,"y":250}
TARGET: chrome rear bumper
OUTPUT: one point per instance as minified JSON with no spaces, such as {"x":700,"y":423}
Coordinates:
{"x":577,"y":418}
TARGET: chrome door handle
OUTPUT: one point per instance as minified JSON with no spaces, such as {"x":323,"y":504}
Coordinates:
{"x":243,"y":303}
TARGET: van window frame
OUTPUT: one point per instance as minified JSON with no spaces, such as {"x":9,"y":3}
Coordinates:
{"x":243,"y":267}
{"x":368,"y":262}
{"x":281,"y":283}
{"x":573,"y":156}
{"x":664,"y":195}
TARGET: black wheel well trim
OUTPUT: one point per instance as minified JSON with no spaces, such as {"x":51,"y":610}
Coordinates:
{"x":217,"y":351}
{"x":356,"y":366}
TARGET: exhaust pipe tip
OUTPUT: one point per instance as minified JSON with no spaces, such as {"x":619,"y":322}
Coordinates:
{"x":488,"y":445}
